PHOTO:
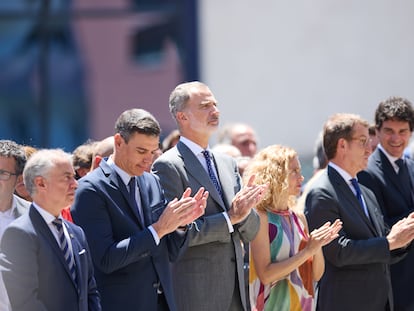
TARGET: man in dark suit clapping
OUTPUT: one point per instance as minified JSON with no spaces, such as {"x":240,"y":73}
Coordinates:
{"x":129,"y":224}
{"x":357,"y":264}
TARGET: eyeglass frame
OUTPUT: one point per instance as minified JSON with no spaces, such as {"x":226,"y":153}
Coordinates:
{"x":363,"y":141}
{"x":4,"y":173}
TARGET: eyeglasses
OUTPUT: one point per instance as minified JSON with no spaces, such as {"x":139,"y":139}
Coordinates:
{"x":363,"y":141}
{"x":5,"y":175}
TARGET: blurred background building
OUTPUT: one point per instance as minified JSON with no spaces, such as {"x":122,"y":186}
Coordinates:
{"x":68,"y":68}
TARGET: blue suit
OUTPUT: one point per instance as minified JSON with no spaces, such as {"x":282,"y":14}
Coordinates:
{"x":357,"y":263}
{"x":128,"y":263}
{"x":34,"y":270}
{"x":395,"y":204}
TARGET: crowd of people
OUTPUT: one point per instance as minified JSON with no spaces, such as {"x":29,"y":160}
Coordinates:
{"x":132,"y":223}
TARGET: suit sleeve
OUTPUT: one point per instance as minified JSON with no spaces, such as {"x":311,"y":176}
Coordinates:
{"x":19,"y":267}
{"x":352,"y":247}
{"x":92,"y":211}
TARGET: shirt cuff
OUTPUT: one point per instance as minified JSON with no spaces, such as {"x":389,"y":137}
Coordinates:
{"x":229,"y":225}
{"x":154,"y":235}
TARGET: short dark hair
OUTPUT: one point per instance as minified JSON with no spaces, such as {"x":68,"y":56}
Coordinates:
{"x":394,"y":108}
{"x":10,"y":149}
{"x":137,"y":121}
{"x":340,"y":125}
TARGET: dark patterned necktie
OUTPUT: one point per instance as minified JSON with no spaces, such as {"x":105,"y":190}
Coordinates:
{"x":355,"y":184}
{"x":404,"y":177}
{"x":132,"y":189}
{"x":64,"y":246}
{"x":211,"y":172}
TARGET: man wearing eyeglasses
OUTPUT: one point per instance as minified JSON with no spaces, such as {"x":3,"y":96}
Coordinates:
{"x":390,"y":176}
{"x":12,"y":161}
{"x":356,"y":263}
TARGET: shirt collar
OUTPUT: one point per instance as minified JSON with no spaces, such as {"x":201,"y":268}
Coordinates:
{"x":48,"y":217}
{"x":389,"y":157}
{"x":124,"y":175}
{"x":195,"y":148}
{"x":344,"y":174}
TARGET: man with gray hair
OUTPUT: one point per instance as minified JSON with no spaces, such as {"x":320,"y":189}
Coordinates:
{"x":214,"y":255}
{"x":12,"y":161}
{"x":44,"y":259}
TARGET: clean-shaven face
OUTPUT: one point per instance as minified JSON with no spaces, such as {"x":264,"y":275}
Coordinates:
{"x":136,"y":156}
{"x":394,"y":136}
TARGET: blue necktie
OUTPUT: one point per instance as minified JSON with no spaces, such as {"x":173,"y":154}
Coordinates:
{"x":211,"y":172}
{"x":355,"y":184}
{"x":64,"y":246}
{"x":132,"y":188}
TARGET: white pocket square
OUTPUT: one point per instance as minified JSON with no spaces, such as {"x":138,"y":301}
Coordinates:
{"x":82,"y":252}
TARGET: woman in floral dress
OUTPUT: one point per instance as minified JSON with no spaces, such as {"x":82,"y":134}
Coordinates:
{"x":285,"y":259}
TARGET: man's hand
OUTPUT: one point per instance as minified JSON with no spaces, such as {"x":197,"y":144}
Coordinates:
{"x":245,"y":200}
{"x":181,"y":212}
{"x":402,"y":233}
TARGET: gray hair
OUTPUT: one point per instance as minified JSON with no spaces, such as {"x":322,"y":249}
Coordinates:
{"x":180,"y":95}
{"x":40,"y":164}
{"x":10,"y":149}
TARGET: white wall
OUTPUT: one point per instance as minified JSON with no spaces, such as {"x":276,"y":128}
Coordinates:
{"x":285,"y":66}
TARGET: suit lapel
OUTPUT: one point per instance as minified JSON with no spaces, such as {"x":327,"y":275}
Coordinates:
{"x":117,"y":182}
{"x":373,"y":211}
{"x":193,"y":166}
{"x":353,"y":202}
{"x":384,"y":166}
{"x":42,"y":227}
{"x":76,"y":249}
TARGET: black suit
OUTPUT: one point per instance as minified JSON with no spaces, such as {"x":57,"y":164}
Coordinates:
{"x":395,"y":204}
{"x":34,"y":270}
{"x":356,"y":270}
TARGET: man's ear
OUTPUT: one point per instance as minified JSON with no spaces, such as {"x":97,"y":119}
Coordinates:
{"x":19,"y":179}
{"x":39,"y":181}
{"x":118,"y":140}
{"x":181,"y":116}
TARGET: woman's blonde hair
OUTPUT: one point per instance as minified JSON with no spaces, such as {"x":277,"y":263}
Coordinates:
{"x":271,"y":165}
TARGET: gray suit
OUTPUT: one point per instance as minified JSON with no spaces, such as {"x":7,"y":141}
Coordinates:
{"x":35,"y":272}
{"x":210,"y":272}
{"x":22,"y":206}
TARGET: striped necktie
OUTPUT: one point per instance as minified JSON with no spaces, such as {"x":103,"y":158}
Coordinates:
{"x":64,"y":246}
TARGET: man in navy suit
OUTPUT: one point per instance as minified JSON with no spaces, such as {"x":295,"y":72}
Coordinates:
{"x":357,"y":263}
{"x":391,"y":177}
{"x":38,"y":274}
{"x":130,"y":228}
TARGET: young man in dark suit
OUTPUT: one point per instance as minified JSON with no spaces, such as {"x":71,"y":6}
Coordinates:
{"x":129,"y":224}
{"x":357,"y":264}
{"x":390,"y":176}
{"x":209,"y":275}
{"x":47,"y":266}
